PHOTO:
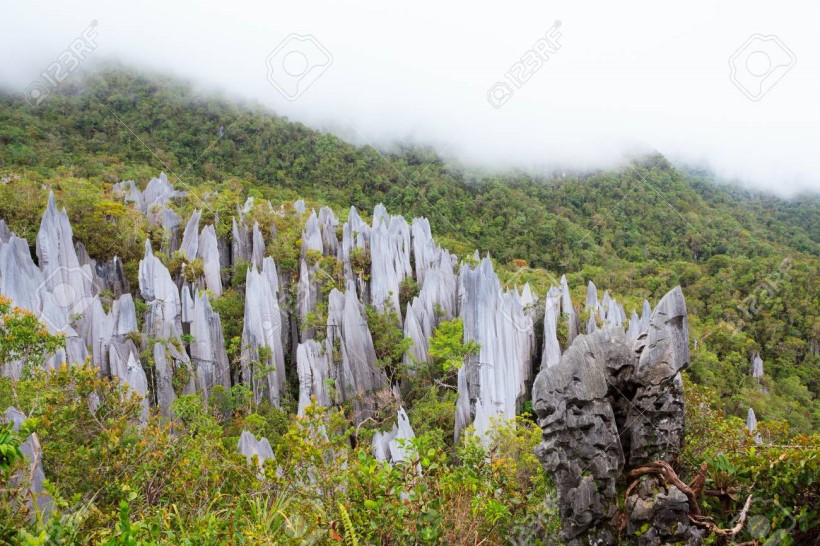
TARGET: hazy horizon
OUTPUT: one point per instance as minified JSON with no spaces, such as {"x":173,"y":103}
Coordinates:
{"x":543,"y":87}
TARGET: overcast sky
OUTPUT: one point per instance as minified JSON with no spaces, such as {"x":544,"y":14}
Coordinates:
{"x":609,"y":81}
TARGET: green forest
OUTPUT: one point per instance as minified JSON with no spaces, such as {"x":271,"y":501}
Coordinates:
{"x":747,"y":263}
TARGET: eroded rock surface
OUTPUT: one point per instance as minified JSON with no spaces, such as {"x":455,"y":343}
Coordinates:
{"x":613,"y":403}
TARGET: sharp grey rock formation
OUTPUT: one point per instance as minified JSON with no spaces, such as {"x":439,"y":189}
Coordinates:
{"x":163,"y":320}
{"x":751,"y":426}
{"x":20,"y":279}
{"x":437,"y":301}
{"x":300,"y":206}
{"x":208,"y":355}
{"x":128,"y":190}
{"x":415,"y":320}
{"x":426,"y":254}
{"x":552,"y":348}
{"x":190,"y":237}
{"x":568,"y":311}
{"x":606,"y":301}
{"x":592,"y":326}
{"x":390,"y":250}
{"x":159,"y":192}
{"x":5,"y":233}
{"x":355,"y":233}
{"x":613,"y":403}
{"x":751,"y":421}
{"x":257,"y":247}
{"x":496,"y":377}
{"x":591,"y":304}
{"x":151,"y":202}
{"x":170,"y":226}
{"x":312,"y":234}
{"x":136,"y":379}
{"x":328,"y":224}
{"x":165,"y":393}
{"x":186,"y":304}
{"x":395,"y":445}
{"x":308,"y":287}
{"x":615,"y":314}
{"x":39,"y":500}
{"x":757,"y":366}
{"x":124,"y":363}
{"x":60,"y":292}
{"x":240,"y":242}
{"x":63,"y":276}
{"x":313,"y":365}
{"x":250,"y":446}
{"x":110,"y":328}
{"x":263,"y":360}
{"x":23,"y":282}
{"x":108,"y":276}
{"x":634,"y":329}
{"x":357,"y":379}
{"x":646,"y":314}
{"x":208,"y":252}
{"x":159,"y":291}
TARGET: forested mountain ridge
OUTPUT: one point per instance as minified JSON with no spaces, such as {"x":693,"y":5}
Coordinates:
{"x":640,"y":229}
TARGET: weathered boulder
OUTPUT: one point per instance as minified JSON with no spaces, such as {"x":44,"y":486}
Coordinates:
{"x":613,"y":403}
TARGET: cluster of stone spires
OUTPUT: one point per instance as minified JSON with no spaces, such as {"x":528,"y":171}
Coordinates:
{"x":65,"y":289}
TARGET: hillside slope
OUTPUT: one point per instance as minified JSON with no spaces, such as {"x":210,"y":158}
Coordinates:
{"x":747,"y":262}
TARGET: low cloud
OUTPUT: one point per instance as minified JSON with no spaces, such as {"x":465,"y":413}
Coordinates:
{"x":605,"y":83}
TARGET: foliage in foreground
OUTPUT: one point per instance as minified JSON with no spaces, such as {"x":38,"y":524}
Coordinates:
{"x":780,"y":470}
{"x":184,"y":482}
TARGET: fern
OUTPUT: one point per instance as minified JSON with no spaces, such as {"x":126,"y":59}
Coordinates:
{"x":350,"y":532}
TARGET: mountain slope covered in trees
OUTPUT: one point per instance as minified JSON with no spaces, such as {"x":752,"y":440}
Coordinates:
{"x":747,"y":261}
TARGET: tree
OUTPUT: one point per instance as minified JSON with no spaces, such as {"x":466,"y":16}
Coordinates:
{"x":23,"y":338}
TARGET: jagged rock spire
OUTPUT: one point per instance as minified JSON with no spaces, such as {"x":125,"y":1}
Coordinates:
{"x":190,"y":237}
{"x":208,"y":353}
{"x":208,"y":252}
{"x":250,"y":446}
{"x":390,"y":250}
{"x":757,"y":366}
{"x":313,"y":365}
{"x":395,"y":445}
{"x":262,"y":335}
{"x":552,"y":348}
{"x":358,"y":378}
{"x":491,"y":383}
